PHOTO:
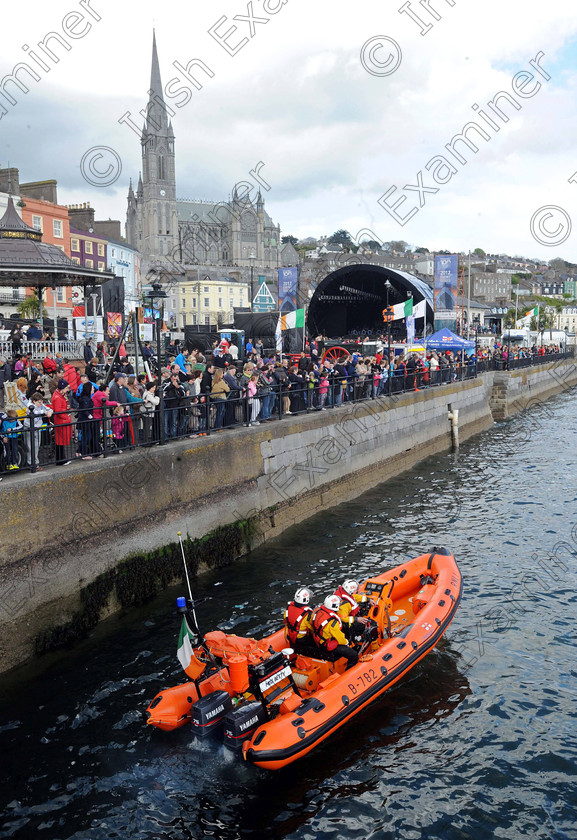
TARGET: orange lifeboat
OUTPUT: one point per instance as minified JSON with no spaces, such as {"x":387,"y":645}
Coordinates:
{"x":293,"y":702}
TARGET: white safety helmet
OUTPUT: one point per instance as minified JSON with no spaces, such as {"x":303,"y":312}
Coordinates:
{"x":351,"y":586}
{"x":332,"y":602}
{"x":303,"y":596}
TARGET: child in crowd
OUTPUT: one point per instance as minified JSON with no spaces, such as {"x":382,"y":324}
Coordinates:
{"x":33,"y":422}
{"x":119,"y":419}
{"x":10,"y":431}
{"x":323,"y":391}
{"x":254,"y":404}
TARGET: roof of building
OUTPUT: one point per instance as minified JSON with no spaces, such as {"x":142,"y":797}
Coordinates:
{"x":26,"y":261}
{"x":211,"y":212}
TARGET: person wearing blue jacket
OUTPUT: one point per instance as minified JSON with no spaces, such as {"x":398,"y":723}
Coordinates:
{"x":10,"y":432}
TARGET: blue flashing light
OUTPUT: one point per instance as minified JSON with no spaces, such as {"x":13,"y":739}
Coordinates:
{"x":181,"y":601}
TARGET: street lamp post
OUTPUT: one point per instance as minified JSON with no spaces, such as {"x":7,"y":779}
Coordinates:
{"x":252,"y":258}
{"x":508,"y":345}
{"x":387,"y":318}
{"x":158,"y":293}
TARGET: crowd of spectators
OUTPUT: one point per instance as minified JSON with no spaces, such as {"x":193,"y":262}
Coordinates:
{"x":83,"y":411}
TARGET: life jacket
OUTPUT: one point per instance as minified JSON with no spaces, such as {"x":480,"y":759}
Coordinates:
{"x":320,"y":620}
{"x":294,"y":618}
{"x":344,"y":596}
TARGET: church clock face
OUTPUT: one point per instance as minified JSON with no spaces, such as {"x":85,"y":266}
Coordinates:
{"x":163,"y":193}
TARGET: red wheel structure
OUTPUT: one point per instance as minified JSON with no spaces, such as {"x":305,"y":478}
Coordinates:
{"x":335,"y":354}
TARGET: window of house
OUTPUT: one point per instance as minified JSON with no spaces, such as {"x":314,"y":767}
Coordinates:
{"x":184,"y":320}
{"x":220,"y":303}
{"x":207,"y":304}
{"x":220,"y":290}
{"x":122,"y":255}
{"x":194,"y":303}
{"x":57,"y":225}
{"x":89,"y":264}
{"x":207,"y":320}
{"x":75,"y":245}
{"x":60,"y":294}
{"x":113,"y":253}
{"x":206,"y":289}
{"x":76,"y":260}
{"x":37,"y":223}
{"x":184,"y":303}
{"x":194,"y":318}
{"x":101,"y":267}
{"x":88,"y":247}
{"x":100,"y":249}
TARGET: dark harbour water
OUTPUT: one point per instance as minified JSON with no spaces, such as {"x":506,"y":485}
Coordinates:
{"x":478,"y":742}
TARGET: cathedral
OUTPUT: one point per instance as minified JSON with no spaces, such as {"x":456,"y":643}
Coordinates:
{"x":221,"y":238}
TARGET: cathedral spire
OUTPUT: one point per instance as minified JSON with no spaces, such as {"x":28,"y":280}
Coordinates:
{"x":156,"y":116}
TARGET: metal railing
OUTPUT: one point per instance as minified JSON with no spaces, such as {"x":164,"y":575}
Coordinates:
{"x":70,"y":349}
{"x":71,"y":436}
{"x":485,"y":365}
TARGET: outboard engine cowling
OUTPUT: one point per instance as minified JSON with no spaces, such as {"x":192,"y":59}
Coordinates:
{"x":209,"y":712}
{"x":241,"y":724}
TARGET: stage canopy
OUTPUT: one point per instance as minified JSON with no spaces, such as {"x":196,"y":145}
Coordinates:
{"x":350,"y":301}
{"x":446,"y":340}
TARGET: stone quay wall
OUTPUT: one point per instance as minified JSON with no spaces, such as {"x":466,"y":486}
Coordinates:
{"x":66,"y":533}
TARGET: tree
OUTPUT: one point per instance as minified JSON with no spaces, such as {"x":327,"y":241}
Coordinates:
{"x":30,"y":308}
{"x":479,"y":252}
{"x":421,"y":250}
{"x":396,"y":245}
{"x":290,"y":238}
{"x":341,"y":237}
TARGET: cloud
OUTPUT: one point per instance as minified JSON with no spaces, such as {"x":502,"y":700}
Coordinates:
{"x":333,"y":138}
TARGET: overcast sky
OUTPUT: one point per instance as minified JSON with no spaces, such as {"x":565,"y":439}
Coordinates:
{"x":334,"y":138}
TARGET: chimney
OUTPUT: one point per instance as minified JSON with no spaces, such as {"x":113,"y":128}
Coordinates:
{"x":10,"y":180}
{"x":82,"y":217}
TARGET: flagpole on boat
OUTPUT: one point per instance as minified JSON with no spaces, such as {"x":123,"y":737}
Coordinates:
{"x":193,"y":611}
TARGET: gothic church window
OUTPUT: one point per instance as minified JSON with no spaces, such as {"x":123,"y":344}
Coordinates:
{"x":161,"y":168}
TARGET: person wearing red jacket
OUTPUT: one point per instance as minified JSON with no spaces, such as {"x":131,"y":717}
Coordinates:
{"x":71,"y":376}
{"x":49,"y":365}
{"x":62,"y":422}
{"x":328,"y":631}
{"x":297,"y":617}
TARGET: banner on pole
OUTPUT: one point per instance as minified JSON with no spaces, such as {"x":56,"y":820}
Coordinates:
{"x":446,"y":268}
{"x":114,"y":320}
{"x":410,"y":321}
{"x":288,"y":279}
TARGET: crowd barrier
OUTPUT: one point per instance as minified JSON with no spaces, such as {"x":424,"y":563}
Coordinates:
{"x":67,"y":437}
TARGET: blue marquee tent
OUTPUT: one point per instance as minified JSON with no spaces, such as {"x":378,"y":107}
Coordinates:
{"x":446,"y":340}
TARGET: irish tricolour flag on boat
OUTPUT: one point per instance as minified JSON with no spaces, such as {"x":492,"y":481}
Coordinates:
{"x":184,"y":650}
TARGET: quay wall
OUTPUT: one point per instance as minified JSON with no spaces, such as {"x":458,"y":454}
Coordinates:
{"x":67,"y":533}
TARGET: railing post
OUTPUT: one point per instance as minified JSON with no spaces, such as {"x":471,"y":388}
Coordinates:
{"x":104,"y":432}
{"x":32,"y":442}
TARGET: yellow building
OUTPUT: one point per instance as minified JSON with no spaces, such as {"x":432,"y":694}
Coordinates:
{"x":206,"y":301}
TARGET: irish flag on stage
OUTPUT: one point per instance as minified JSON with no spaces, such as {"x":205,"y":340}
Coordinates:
{"x":406,"y":309}
{"x":526,"y":320}
{"x":293,"y":320}
{"x":289,"y":321}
